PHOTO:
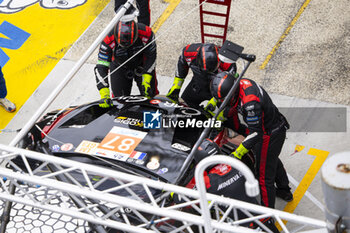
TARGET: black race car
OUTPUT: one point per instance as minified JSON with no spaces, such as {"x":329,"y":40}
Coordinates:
{"x":147,"y":137}
{"x":151,"y":138}
{"x":123,"y":136}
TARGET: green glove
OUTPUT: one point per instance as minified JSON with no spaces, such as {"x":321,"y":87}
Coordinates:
{"x":105,"y":101}
{"x":211,"y":105}
{"x":240,"y":151}
{"x":146,"y":85}
{"x":174,"y":91}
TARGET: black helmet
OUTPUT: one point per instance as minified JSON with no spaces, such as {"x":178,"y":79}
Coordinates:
{"x":207,"y":148}
{"x":221,"y":84}
{"x":126,"y":33}
{"x":208,"y":58}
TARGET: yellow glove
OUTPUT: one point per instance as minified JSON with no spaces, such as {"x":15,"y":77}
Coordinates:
{"x":220,"y":117}
{"x":146,"y":85}
{"x":105,"y":101}
{"x":211,"y":105}
{"x":174,"y":91}
{"x":240,"y":152}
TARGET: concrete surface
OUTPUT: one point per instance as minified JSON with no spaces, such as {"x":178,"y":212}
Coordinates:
{"x":312,"y":61}
{"x":310,"y":69}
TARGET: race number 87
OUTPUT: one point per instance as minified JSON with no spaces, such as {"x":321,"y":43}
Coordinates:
{"x":119,"y":143}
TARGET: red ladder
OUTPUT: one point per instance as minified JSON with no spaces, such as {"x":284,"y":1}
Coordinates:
{"x":214,"y":25}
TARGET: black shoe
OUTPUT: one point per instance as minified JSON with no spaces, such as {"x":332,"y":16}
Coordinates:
{"x":284,"y":194}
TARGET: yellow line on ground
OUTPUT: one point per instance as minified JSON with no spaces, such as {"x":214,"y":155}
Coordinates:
{"x":284,"y":35}
{"x":173,"y":4}
{"x":299,"y":192}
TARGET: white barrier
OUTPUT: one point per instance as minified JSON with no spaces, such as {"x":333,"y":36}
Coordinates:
{"x":89,"y":201}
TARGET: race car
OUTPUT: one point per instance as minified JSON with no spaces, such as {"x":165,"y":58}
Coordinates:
{"x":146,"y":137}
{"x":154,"y":138}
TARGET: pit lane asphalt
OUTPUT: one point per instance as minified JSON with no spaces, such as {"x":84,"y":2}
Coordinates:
{"x":309,"y":69}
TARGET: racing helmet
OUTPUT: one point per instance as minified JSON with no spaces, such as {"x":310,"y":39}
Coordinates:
{"x":207,"y":148}
{"x":208,"y":58}
{"x":126,"y":33}
{"x":221,"y":85}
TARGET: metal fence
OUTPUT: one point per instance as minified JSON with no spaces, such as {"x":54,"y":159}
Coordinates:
{"x":65,"y":195}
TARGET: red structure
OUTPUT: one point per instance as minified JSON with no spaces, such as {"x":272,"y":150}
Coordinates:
{"x":208,"y":9}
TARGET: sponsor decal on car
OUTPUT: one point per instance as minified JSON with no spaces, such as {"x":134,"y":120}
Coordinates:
{"x":129,"y":121}
{"x":110,"y":154}
{"x":153,"y":164}
{"x":162,"y":170}
{"x":119,"y":143}
{"x":100,"y":154}
{"x":87,"y":147}
{"x":140,"y":162}
{"x":130,"y":160}
{"x":155,"y":101}
{"x":121,"y":157}
{"x":67,"y":147}
{"x":172,"y":105}
{"x":180,"y":147}
{"x":55,"y":148}
{"x":138,"y":155}
{"x":132,"y":98}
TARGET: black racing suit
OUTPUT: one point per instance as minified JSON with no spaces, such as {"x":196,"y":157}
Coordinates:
{"x":198,"y":89}
{"x":144,"y":9}
{"x":111,"y":56}
{"x":223,"y":180}
{"x":265,"y":134}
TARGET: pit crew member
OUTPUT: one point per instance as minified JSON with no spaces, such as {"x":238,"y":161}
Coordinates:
{"x":203,"y":59}
{"x":265,"y":132}
{"x":133,"y":44}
